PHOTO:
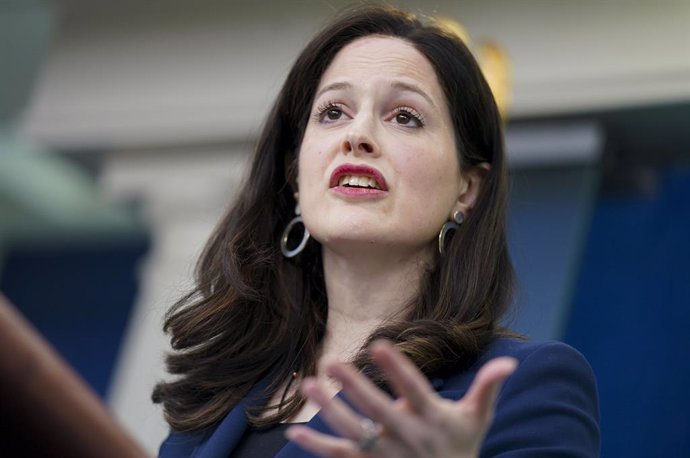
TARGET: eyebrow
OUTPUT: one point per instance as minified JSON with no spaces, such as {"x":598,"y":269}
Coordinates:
{"x":337,"y":86}
{"x":341,"y":85}
{"x":412,"y":88}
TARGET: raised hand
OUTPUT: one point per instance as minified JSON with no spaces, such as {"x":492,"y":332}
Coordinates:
{"x":419,"y":423}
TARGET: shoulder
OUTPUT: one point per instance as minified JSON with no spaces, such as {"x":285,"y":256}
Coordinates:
{"x":547,"y":369}
{"x":548,"y":407}
{"x":532,"y":359}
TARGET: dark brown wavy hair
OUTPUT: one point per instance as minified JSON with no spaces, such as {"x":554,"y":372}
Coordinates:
{"x":255,"y":315}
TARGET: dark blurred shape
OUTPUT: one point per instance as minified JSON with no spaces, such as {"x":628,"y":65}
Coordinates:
{"x":641,"y":143}
{"x":45,"y":409}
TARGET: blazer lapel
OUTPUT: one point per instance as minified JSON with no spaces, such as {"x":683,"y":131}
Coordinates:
{"x":225,"y":437}
{"x":230,"y":430}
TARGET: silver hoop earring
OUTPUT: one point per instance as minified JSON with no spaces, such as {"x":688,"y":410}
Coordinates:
{"x":286,"y":236}
{"x":458,"y":218}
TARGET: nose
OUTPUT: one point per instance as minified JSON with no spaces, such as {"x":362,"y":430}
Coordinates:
{"x":359,"y":140}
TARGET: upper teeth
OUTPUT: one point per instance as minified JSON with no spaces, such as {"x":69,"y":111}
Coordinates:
{"x":360,"y":181}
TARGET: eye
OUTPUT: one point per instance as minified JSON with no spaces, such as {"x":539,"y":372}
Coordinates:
{"x":408,"y":117}
{"x":403,"y":118}
{"x":329,"y":112}
{"x":333,"y":113}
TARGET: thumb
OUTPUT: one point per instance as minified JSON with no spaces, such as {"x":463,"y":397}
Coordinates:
{"x":481,"y":397}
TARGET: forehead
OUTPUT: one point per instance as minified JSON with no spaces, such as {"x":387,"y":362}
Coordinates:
{"x":380,"y":58}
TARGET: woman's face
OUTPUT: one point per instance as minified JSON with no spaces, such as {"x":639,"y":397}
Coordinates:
{"x":378,"y":164}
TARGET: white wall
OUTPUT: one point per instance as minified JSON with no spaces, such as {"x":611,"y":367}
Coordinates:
{"x":183,"y":195}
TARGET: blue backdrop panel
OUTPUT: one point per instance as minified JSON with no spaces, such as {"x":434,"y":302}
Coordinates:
{"x":631,"y":319}
{"x":79,"y":297}
{"x":549,"y":217}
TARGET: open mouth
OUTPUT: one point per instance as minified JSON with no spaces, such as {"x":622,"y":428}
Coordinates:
{"x":358,"y":176}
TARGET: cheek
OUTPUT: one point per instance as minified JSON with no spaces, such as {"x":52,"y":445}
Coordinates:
{"x":429,"y":172}
{"x":309,"y":154}
{"x":313,"y":152}
{"x":310,"y":170}
{"x":317,"y":153}
{"x":432,"y":184}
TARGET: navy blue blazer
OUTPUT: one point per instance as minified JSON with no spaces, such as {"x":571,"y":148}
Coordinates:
{"x":547,"y":408}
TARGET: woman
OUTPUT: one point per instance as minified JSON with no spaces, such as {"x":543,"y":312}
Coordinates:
{"x":385,"y":145}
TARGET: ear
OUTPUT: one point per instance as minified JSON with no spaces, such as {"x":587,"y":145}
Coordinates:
{"x":472,"y":178}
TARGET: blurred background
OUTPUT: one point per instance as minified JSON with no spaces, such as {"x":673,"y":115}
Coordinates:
{"x":125,"y":128}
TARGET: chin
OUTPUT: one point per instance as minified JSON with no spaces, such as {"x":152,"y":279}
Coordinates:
{"x":348,"y":238}
{"x":368,"y":243}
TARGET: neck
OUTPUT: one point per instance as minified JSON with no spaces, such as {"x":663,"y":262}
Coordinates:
{"x":363,"y":292}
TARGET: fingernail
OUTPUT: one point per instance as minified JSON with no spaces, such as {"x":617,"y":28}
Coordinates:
{"x":290,"y":433}
{"x":307,"y":384}
{"x":293,"y":432}
{"x":512,"y":363}
{"x":336,"y":369}
{"x":381,"y":343}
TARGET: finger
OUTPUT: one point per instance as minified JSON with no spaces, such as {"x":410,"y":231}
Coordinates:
{"x":330,"y":446}
{"x":481,"y":396}
{"x":333,"y":410}
{"x":321,"y":444}
{"x":406,"y":379}
{"x":373,"y":402}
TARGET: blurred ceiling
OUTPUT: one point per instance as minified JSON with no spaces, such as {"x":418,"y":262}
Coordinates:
{"x":131,"y":74}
